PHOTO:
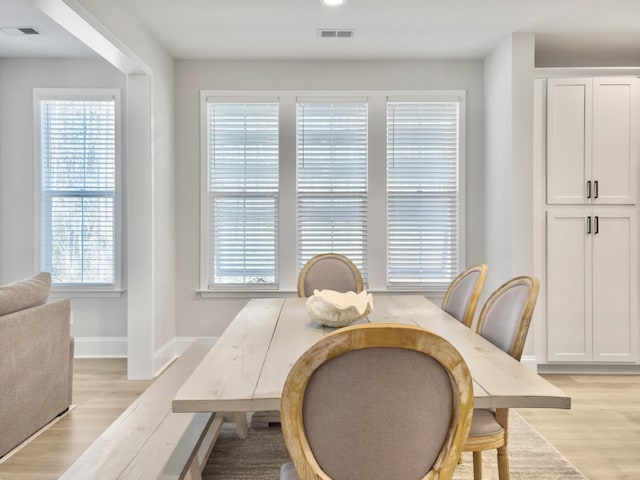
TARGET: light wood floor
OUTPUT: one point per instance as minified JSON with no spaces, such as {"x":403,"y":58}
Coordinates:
{"x":101,"y":392}
{"x":600,"y":434}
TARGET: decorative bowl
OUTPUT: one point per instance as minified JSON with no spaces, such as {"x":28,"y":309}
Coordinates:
{"x":338,"y":309}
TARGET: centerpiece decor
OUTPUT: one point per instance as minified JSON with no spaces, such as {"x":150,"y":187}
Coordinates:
{"x":338,"y":309}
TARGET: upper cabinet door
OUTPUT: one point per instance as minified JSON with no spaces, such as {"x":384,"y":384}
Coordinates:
{"x":615,"y":140}
{"x":592,"y":140}
{"x":569,"y":114}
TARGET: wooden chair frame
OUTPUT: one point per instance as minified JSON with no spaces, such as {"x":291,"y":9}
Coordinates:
{"x":499,"y":440}
{"x":366,"y":336}
{"x":324,"y":256}
{"x":470,"y":311}
{"x":534,"y":288}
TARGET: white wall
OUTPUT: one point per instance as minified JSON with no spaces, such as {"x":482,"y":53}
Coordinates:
{"x":509,"y":81}
{"x":497,"y":174}
{"x":197,"y":316}
{"x":93,"y":317}
{"x":508,"y":91}
{"x":150,"y":174}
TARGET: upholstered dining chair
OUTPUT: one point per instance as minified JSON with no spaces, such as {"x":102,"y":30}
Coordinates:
{"x":461,"y":298}
{"x":383,"y":401}
{"x":329,"y":270}
{"x":324,"y":271}
{"x":504,"y":321}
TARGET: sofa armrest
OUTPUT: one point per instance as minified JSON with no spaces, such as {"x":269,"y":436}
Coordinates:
{"x":35,"y":376}
{"x":72,"y":346}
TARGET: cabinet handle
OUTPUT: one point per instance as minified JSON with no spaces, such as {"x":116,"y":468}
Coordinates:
{"x":588,"y":188}
{"x":588,"y":225}
{"x":596,"y":225}
{"x":595,"y":190}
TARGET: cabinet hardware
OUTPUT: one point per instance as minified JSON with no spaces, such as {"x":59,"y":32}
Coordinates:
{"x":596,"y":224}
{"x":588,"y":188}
{"x":588,"y":225}
{"x":595,"y":190}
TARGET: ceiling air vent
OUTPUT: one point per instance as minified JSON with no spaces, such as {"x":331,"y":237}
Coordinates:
{"x":333,"y":33}
{"x":20,"y":30}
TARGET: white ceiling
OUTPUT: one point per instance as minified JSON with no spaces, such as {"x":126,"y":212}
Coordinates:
{"x":568,"y":32}
{"x":53,"y":40}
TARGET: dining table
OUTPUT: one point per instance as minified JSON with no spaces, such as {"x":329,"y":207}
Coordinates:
{"x":246,"y":369}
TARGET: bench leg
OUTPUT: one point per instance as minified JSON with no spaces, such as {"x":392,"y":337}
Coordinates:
{"x":241,"y":424}
{"x":194,"y":472}
{"x":209,"y":440}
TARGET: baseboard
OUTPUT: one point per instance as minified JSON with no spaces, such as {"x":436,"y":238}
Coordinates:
{"x":589,"y":369}
{"x":100,"y":347}
{"x":165,"y":355}
{"x":530,"y":361}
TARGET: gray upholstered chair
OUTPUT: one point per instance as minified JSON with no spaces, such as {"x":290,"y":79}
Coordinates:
{"x":504,"y":321}
{"x":329,"y":271}
{"x":463,"y":294}
{"x":383,"y":401}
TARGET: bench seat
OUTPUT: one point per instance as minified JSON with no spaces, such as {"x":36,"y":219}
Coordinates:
{"x":149,"y":440}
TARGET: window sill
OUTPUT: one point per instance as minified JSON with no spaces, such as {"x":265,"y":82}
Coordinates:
{"x":65,"y":292}
{"x":293,"y":293}
{"x":246,"y":293}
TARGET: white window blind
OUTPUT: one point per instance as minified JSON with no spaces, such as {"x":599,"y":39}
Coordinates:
{"x":332,"y":180}
{"x":78,"y":174}
{"x":243,"y":194}
{"x":422,"y":193}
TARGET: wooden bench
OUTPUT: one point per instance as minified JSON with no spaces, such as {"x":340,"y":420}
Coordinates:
{"x":149,"y":441}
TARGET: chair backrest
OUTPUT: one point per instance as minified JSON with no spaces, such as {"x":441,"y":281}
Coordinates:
{"x":506,"y":315}
{"x":463,"y":294}
{"x":384,"y":401}
{"x":331,"y":271}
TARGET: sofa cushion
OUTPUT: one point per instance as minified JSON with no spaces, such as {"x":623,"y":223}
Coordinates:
{"x":25,"y":293}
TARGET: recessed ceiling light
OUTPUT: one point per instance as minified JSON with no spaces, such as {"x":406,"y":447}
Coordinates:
{"x":333,"y":3}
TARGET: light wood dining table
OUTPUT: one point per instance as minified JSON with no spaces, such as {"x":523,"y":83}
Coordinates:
{"x":246,"y":369}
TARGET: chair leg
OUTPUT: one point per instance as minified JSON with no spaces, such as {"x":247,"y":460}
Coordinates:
{"x":477,"y":465}
{"x":503,"y":463}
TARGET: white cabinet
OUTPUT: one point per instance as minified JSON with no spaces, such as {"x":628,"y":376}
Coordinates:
{"x":592,"y":140}
{"x":592,"y":269}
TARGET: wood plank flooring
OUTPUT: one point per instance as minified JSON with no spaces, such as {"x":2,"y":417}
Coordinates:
{"x":101,"y":392}
{"x":600,"y":434}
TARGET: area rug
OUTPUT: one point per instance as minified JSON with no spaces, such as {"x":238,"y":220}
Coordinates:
{"x":259,"y":456}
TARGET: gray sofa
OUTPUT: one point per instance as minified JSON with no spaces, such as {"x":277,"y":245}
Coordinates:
{"x":36,"y":359}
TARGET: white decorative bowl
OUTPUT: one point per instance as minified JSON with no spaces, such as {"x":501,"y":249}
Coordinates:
{"x":337,"y":309}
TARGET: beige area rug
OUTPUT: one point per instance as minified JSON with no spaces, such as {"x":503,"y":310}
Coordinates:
{"x":259,"y":456}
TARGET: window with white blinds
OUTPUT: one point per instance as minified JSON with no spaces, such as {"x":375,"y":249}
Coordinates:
{"x":332,"y":162}
{"x":242,"y":160}
{"x":422,"y":193}
{"x":291,"y":174}
{"x":79,"y":152}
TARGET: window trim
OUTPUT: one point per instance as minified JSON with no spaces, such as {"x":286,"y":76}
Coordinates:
{"x":354,"y":193}
{"x":458,"y":97}
{"x":81,"y":94}
{"x":376,"y":207}
{"x":205,"y":215}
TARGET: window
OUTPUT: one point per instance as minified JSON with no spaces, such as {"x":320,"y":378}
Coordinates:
{"x":332,"y":180}
{"x":242,"y":153}
{"x":422,"y":193}
{"x":79,"y":151}
{"x":376,"y":176}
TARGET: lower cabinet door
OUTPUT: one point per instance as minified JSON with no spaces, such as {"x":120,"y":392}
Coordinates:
{"x":592,"y":284}
{"x":614,"y":285}
{"x":569,"y":327}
